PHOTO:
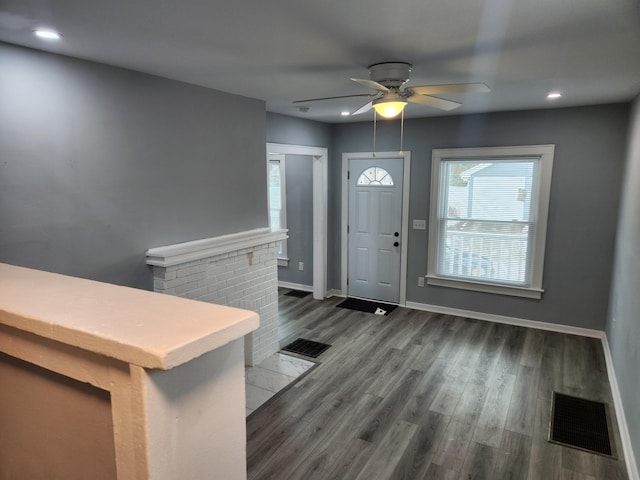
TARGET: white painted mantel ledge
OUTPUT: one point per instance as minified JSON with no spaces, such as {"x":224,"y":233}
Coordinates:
{"x":170,"y":255}
{"x":169,"y":363}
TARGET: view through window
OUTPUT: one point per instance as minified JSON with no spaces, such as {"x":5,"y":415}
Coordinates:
{"x":490,"y":219}
{"x":277,"y":198}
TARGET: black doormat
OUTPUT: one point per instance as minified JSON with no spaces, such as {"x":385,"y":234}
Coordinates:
{"x":580,"y":423}
{"x":367,"y":306}
{"x":297,"y":293}
{"x":308,"y":348}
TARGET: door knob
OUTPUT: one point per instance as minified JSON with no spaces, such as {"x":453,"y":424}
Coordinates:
{"x":395,"y":244}
{"x":396,"y":234}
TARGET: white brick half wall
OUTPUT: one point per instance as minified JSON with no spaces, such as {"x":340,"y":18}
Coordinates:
{"x":238,"y":270}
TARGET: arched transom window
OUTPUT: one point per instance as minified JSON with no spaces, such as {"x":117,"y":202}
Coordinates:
{"x":374,"y":176}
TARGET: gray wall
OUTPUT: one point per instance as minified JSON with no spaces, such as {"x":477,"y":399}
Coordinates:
{"x":298,"y":131}
{"x":623,"y":326}
{"x":299,"y":174}
{"x":98,"y":164}
{"x":589,"y":158}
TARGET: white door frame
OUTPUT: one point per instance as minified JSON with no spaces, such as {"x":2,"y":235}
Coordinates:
{"x":320,"y":181}
{"x":406,"y":156}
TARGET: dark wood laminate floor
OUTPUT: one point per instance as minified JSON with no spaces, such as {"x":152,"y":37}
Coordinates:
{"x":417,"y":395}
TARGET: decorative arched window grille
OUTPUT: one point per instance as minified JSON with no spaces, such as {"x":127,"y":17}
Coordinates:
{"x":374,"y":177}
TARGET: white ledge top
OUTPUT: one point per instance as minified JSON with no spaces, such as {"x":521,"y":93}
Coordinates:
{"x":171,"y":255}
{"x":144,"y":328}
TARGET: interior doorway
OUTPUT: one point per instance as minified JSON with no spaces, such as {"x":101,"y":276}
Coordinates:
{"x":319,"y":156}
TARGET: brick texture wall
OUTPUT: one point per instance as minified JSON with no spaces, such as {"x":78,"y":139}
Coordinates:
{"x":246,"y":278}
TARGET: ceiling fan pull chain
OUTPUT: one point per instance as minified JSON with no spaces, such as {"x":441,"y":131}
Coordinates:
{"x":401,"y":131}
{"x":375,"y":117}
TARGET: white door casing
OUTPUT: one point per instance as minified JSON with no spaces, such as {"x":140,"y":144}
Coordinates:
{"x":371,"y":217}
{"x":320,"y":189}
{"x":375,"y":221}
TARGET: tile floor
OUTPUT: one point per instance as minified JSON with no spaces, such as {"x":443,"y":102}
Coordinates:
{"x":270,"y":376}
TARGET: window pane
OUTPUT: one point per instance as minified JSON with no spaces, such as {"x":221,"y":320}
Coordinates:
{"x":375,"y":176}
{"x":276,"y":224}
{"x":498,"y":190}
{"x":277,"y":201}
{"x":486,"y":219}
{"x":496,"y":252}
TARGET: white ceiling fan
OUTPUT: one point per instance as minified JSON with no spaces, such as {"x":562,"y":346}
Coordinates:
{"x":392,"y":95}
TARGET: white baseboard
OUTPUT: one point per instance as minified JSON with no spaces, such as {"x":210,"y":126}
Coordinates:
{"x":296,"y":286}
{"x":627,"y":446}
{"x":554,"y":327}
{"x":335,"y":293}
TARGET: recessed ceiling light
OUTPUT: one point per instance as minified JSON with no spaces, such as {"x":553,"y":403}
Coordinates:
{"x":553,"y":95}
{"x":345,"y":113}
{"x":47,"y":34}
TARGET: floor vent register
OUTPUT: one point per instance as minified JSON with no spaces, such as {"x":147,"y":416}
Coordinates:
{"x":307,"y":348}
{"x":580,"y":423}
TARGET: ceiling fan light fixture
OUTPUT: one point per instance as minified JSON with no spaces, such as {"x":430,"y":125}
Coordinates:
{"x":389,"y":107}
{"x":388,"y":80}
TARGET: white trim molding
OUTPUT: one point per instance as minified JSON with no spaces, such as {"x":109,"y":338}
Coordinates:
{"x":171,"y":255}
{"x":521,"y":322}
{"x":532,"y":287}
{"x":625,"y":437}
{"x":295,"y":286}
{"x":334,"y":292}
{"x":406,"y":179}
{"x":485,"y":287}
{"x":320,"y":167}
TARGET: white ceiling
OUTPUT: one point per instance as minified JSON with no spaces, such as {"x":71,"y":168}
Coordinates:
{"x":284,"y":50}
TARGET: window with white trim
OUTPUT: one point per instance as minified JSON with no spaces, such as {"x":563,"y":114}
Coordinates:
{"x":278,"y":201}
{"x":488,"y":218}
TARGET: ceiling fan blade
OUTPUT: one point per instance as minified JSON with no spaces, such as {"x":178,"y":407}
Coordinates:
{"x":450,"y":88}
{"x":365,"y":108}
{"x":371,"y":84}
{"x":334,"y":98}
{"x":434,"y":102}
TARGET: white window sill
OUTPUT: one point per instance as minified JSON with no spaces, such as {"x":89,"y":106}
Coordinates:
{"x":526,"y":292}
{"x":283,"y":262}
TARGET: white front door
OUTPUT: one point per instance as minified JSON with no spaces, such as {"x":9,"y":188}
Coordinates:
{"x":375,"y":228}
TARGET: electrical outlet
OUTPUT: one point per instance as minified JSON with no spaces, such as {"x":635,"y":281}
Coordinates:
{"x":421,"y":281}
{"x":300,"y":266}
